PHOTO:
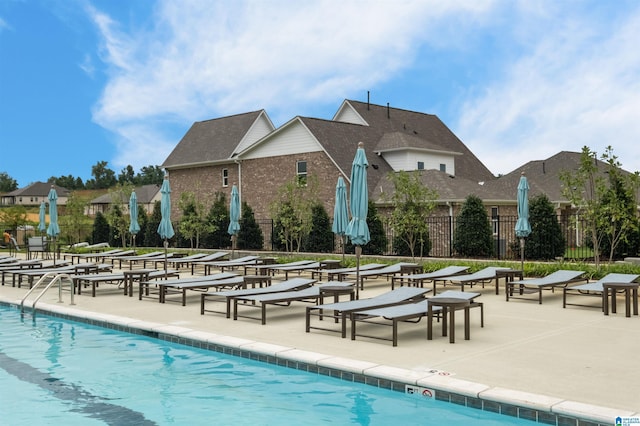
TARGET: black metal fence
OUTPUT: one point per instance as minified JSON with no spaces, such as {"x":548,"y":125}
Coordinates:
{"x":441,"y":234}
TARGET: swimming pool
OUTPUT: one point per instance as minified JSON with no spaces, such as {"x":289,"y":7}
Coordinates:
{"x":57,"y":371}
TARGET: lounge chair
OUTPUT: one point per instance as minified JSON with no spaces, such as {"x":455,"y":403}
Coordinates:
{"x":155,"y":255}
{"x":228,"y":295}
{"x":97,"y":256}
{"x":180,"y":286}
{"x":387,"y":271}
{"x":595,"y":288}
{"x":191,"y":261}
{"x":338,"y":274}
{"x":231,"y":264}
{"x":419,"y":279}
{"x":483,"y":276}
{"x":31,"y":273}
{"x":307,"y":294}
{"x":119,"y":279}
{"x":551,"y":281}
{"x":298,"y":266}
{"x":342,"y":310}
{"x":409,"y":312}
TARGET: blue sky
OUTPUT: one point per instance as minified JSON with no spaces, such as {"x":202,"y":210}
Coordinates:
{"x":83,"y":81}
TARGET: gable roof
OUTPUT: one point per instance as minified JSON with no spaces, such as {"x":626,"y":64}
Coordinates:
{"x":38,"y":189}
{"x":423,"y":131}
{"x":213,"y":141}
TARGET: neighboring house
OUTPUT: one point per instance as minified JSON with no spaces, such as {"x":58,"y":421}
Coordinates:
{"x":35,"y":194}
{"x":243,"y":149}
{"x":147,"y":196}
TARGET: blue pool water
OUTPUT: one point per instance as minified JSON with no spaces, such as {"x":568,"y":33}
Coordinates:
{"x":55,"y":371}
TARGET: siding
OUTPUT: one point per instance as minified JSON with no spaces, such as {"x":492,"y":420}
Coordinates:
{"x":349,"y":115}
{"x":261,"y":128}
{"x":408,"y":160}
{"x":295,"y":139}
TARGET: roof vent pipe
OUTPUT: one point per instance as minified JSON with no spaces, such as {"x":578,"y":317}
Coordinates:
{"x":388,"y":112}
{"x":367,"y":100}
{"x":543,"y":168}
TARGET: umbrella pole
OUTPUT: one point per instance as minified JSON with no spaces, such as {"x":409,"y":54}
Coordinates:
{"x":166,"y":245}
{"x":358,"y":253}
{"x":342,"y":240}
{"x":522,"y":254}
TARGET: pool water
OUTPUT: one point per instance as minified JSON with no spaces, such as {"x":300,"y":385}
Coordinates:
{"x":54,"y":371}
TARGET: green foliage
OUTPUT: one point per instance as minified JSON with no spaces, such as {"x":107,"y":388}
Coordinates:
{"x":218,"y":220}
{"x":250,"y":236}
{"x":320,"y":238}
{"x":412,"y":204}
{"x":151,"y":236}
{"x":292,"y":212}
{"x":378,"y":243}
{"x":7,"y":183}
{"x":607,"y":205}
{"x":74,"y":222}
{"x":13,"y":216}
{"x":118,"y":224}
{"x":103,"y":177}
{"x":101,"y":230}
{"x":473,"y":236}
{"x":193,"y":222}
{"x":546,"y":241}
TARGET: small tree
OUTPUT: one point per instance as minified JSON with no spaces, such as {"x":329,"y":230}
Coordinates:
{"x":412,"y":204}
{"x":101,"y":230}
{"x":74,"y":221}
{"x":218,"y":221}
{"x":193,"y":222}
{"x":320,"y":238}
{"x":378,"y":243}
{"x":546,"y":240}
{"x":119,"y":226}
{"x":250,"y":236}
{"x":292,"y":211}
{"x":473,"y":236}
{"x":151,"y":236}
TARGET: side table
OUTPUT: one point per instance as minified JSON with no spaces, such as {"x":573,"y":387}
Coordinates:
{"x":449,"y":306}
{"x":630,"y":295}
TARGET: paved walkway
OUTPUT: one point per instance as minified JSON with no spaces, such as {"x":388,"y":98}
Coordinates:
{"x":575,"y":354}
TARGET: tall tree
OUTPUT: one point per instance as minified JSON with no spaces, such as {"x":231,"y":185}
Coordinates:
{"x":7,"y":183}
{"x":193,"y":223}
{"x":218,"y":221}
{"x":151,"y":236}
{"x":150,"y":175}
{"x":250,"y":236}
{"x":320,"y":238}
{"x":546,"y":241}
{"x":103,"y":176}
{"x":74,"y":221}
{"x":101,"y":231}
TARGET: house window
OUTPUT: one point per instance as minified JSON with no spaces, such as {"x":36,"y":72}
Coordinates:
{"x":225,"y":177}
{"x":495,"y":220}
{"x":301,"y":172}
{"x":443,"y":167}
{"x":420,"y":165}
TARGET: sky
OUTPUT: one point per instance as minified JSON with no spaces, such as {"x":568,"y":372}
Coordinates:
{"x":84,"y":81}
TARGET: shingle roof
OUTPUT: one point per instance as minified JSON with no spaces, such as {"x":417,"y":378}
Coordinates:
{"x":39,"y":189}
{"x":211,"y":140}
{"x":427,"y":129}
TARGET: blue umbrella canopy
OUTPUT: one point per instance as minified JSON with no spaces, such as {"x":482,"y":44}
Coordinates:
{"x":134,"y":226}
{"x":165,"y":229}
{"x":358,"y":230}
{"x":42,"y":226}
{"x":523,"y":228}
{"x":340,"y":213}
{"x":234,"y":212}
{"x":53,"y":230}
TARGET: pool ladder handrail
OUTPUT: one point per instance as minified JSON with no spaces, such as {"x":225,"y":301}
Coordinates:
{"x":56,"y":278}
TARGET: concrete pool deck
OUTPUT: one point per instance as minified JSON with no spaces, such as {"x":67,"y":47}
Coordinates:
{"x":574,"y":361}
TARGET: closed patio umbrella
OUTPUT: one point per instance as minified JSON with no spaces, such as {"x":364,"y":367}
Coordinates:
{"x":42,"y":226}
{"x":165,"y":229}
{"x":53,"y":230}
{"x":134,"y":226}
{"x":358,"y":230}
{"x":234,"y":218}
{"x":340,"y":212}
{"x":523,"y":228}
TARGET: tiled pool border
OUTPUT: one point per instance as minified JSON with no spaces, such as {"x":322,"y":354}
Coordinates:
{"x":539,"y":408}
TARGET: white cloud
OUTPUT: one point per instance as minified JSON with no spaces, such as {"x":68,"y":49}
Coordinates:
{"x":205,"y":59}
{"x":577,"y":85}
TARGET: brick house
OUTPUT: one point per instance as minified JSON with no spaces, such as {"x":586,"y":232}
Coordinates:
{"x":34,"y":194}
